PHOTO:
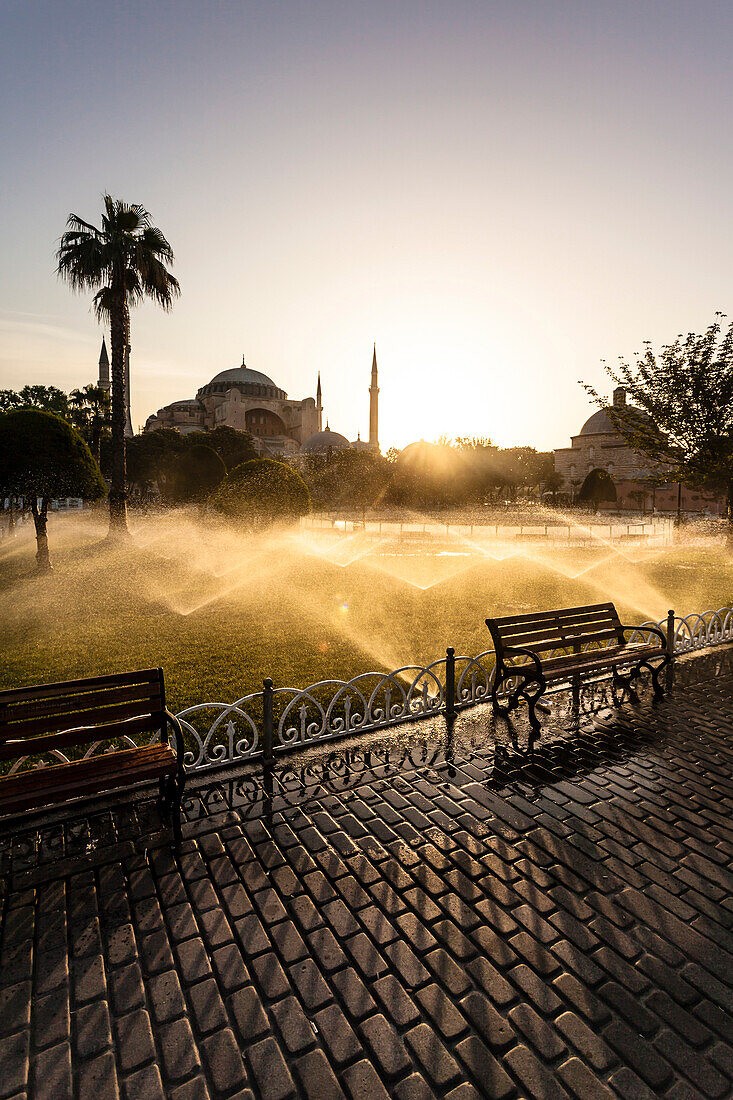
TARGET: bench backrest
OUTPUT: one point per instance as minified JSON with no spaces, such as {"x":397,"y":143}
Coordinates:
{"x":568,"y":628}
{"x":76,"y":712}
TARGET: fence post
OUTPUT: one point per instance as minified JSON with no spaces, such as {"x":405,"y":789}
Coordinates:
{"x":670,"y":633}
{"x":267,"y":724}
{"x":450,"y":682}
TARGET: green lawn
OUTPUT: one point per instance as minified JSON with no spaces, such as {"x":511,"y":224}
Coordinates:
{"x":220,"y":611}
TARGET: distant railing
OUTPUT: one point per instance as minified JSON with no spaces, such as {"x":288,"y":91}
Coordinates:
{"x":278,"y":720}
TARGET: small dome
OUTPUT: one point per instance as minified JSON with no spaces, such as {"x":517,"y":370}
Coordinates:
{"x":600,"y":422}
{"x":242,"y":374}
{"x":321,"y":442}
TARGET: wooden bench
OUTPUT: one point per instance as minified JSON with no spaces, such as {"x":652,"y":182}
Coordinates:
{"x":572,"y":644}
{"x":49,"y":719}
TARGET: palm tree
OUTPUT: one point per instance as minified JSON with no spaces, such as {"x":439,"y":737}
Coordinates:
{"x":125,"y":262}
{"x":90,"y":414}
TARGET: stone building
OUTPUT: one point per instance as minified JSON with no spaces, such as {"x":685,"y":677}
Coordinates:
{"x":251,"y":402}
{"x":598,"y":446}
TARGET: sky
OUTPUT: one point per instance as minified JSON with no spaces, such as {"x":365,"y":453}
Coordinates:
{"x":499,"y":194}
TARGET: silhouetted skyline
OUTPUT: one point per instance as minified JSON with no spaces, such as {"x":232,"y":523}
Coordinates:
{"x":499,"y":194}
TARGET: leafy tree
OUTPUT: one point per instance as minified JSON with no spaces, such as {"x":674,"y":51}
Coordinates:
{"x":232,"y":446}
{"x":349,"y":479}
{"x":124,"y":262}
{"x":597,"y":486}
{"x":198,"y":472}
{"x":90,"y":413}
{"x":48,"y":398}
{"x":152,"y":458}
{"x":686,"y":390}
{"x":262,"y":492}
{"x":553,"y":483}
{"x":43,"y":457}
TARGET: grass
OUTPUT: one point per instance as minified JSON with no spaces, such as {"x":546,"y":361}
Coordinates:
{"x":219,"y":611}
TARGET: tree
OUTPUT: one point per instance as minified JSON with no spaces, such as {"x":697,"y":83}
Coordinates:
{"x":232,"y":446}
{"x":152,"y":457}
{"x":597,"y":486}
{"x":48,"y":398}
{"x":43,"y":457}
{"x":124,"y":262}
{"x":262,"y":492}
{"x":686,"y":390}
{"x":198,"y":473}
{"x":90,"y":412}
{"x":349,"y":479}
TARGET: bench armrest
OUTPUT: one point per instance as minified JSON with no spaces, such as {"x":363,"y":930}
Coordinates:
{"x":176,"y":725}
{"x":512,"y":651}
{"x":648,"y":630}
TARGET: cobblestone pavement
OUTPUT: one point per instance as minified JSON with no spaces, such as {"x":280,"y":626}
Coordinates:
{"x":432,"y":914}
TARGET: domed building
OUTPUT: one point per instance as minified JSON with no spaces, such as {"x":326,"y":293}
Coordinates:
{"x":320,"y":443}
{"x":249,"y":401}
{"x":599,"y":446}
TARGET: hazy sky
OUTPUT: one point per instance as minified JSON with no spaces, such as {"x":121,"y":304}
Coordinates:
{"x":499,"y":194}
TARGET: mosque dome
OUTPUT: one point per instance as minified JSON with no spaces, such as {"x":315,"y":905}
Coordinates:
{"x":242,"y":374}
{"x":321,"y":442}
{"x":252,"y":383}
{"x":600,"y":423}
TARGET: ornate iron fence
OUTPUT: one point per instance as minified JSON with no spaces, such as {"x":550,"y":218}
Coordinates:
{"x":277,"y":720}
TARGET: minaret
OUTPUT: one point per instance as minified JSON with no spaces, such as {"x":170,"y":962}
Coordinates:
{"x":374,"y":405}
{"x":319,"y":404}
{"x":103,"y":381}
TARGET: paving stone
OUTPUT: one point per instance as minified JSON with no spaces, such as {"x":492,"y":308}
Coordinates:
{"x":413,"y":1087}
{"x":270,"y":1070}
{"x":354,"y":994}
{"x":297,"y":1033}
{"x":180,"y":1057}
{"x":288,"y":941}
{"x":534,"y":1075}
{"x":51,"y":1073}
{"x":448,"y":973}
{"x":166,"y":996}
{"x":14,"y":1062}
{"x":193,"y":960}
{"x":317,"y":1078}
{"x":92,"y":1029}
{"x":271,"y":977}
{"x":444,"y":1014}
{"x":230,"y":969}
{"x":134,"y":1039}
{"x":340,"y":1040}
{"x":492,"y":1025}
{"x":326,"y":950}
{"x":363,"y":1083}
{"x":439,"y":1065}
{"x":385,"y":1046}
{"x":223,"y":1061}
{"x":248,"y":1014}
{"x":484,"y":1068}
{"x":407,"y":964}
{"x":542,"y":1037}
{"x":145,"y":1083}
{"x":195,"y":1089}
{"x":98,"y":1080}
{"x":313,"y":990}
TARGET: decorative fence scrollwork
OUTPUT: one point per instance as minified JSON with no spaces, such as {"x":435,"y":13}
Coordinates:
{"x":219,"y":734}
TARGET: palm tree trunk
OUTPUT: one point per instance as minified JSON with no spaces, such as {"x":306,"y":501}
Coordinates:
{"x":119,"y":338}
{"x":43,"y":560}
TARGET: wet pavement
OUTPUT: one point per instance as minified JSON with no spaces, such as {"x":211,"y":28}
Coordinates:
{"x":430,"y":912}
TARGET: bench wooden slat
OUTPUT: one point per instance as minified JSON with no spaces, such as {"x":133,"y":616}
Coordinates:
{"x":541,"y":645}
{"x":539,"y":616}
{"x":67,"y":687}
{"x":19,"y":712}
{"x":556,"y":622}
{"x":81,"y":718}
{"x":31,"y":746}
{"x":58,"y":783}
